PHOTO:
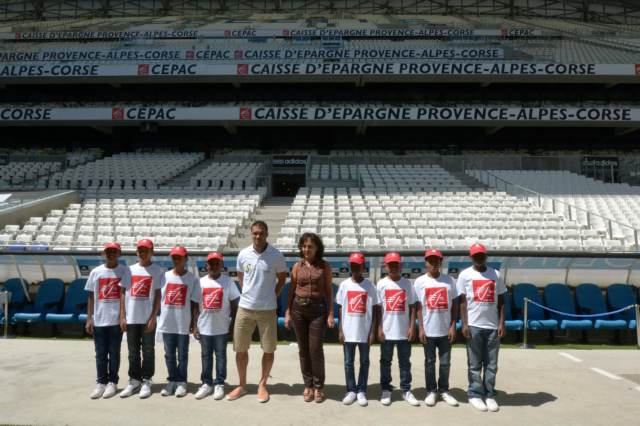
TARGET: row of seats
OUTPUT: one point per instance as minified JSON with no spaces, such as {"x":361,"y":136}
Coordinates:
{"x":227,"y":176}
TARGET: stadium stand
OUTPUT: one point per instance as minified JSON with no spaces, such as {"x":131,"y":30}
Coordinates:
{"x":227,"y":176}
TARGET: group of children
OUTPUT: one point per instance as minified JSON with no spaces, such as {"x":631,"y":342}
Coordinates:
{"x":128,"y":299}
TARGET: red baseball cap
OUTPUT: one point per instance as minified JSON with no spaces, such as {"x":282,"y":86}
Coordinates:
{"x":215,"y":255}
{"x":178,"y":251}
{"x":477,"y":248}
{"x":145,"y":244}
{"x":433,"y":252}
{"x":392,"y":257}
{"x":112,"y":245}
{"x":356,"y":258}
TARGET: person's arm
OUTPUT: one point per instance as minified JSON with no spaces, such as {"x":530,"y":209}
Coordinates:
{"x":463,"y":315}
{"x":282,"y":278}
{"x":340,"y":333}
{"x":291,"y":295}
{"x":123,"y":313}
{"x":501,"y":315}
{"x":454,"y":319}
{"x":234,"y":310}
{"x":381,"y":336}
{"x":329,"y":293}
{"x":240,"y":279}
{"x":411,"y":333}
{"x":374,"y":324}
{"x":151,"y":323}
{"x":421,"y":335}
{"x":89,"y":323}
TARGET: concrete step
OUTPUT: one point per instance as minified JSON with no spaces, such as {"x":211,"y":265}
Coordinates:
{"x":273,"y":212}
{"x":184,"y":179}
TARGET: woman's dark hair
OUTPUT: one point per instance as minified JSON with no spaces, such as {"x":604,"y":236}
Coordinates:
{"x":317,"y":241}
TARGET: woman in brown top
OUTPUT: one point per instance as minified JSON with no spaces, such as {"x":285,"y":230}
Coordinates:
{"x":310,"y":308}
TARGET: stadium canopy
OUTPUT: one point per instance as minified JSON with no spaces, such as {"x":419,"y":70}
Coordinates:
{"x":609,"y":11}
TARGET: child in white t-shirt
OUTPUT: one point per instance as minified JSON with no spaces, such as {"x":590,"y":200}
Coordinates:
{"x":103,"y":318}
{"x":359,"y":313}
{"x":218,"y":300}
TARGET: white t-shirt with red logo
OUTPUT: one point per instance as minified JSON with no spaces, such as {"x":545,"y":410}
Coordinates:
{"x":396,"y":297}
{"x":175,"y":308}
{"x":105,"y":284}
{"x":215,"y":298}
{"x":435,"y":296}
{"x":357,"y":301}
{"x":481,"y":290}
{"x":139,"y":295}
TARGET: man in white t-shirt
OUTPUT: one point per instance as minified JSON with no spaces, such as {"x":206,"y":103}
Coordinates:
{"x":397,"y":328}
{"x":218,"y":300}
{"x":178,"y":315}
{"x":262,"y":272}
{"x":481,"y":289}
{"x":359,"y":314}
{"x":103,"y":318}
{"x":437,"y":313}
{"x":139,"y":307}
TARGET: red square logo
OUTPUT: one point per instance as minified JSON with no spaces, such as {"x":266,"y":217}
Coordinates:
{"x":143,"y":69}
{"x":18,"y":36}
{"x":436,"y":298}
{"x":141,"y":286}
{"x":227,"y":33}
{"x":238,"y":54}
{"x":109,"y":289}
{"x":189,"y":54}
{"x":637,"y":69}
{"x":395,"y":300}
{"x":117,"y":113}
{"x":243,"y":69}
{"x":484,"y":291}
{"x":356,"y":302}
{"x":212,"y":298}
{"x":175,"y":295}
{"x":285,"y":33}
{"x":245,"y":113}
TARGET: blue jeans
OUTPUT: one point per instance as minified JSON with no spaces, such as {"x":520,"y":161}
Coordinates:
{"x":177,"y":368}
{"x":482,"y":357}
{"x":209,"y":345}
{"x":444,"y":353}
{"x":349,"y":349}
{"x":107,"y":341}
{"x":404,"y":360}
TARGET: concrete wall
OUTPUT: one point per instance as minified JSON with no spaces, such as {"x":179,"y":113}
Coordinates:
{"x":38,"y":207}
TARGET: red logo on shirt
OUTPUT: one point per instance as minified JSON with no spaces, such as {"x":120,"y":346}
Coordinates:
{"x":435,"y":298}
{"x":212,"y":298}
{"x":108,"y":288}
{"x":484,"y":291}
{"x":141,"y":286}
{"x":395,"y":300}
{"x":175,"y":295}
{"x":356,"y":302}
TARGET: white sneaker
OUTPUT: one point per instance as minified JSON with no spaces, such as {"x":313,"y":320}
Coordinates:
{"x":449,"y":399}
{"x":478,"y":404}
{"x":110,"y":390}
{"x":408,"y":396}
{"x":385,"y":399}
{"x":98,"y":391}
{"x":431,"y":398}
{"x":349,"y":398}
{"x":492,"y":405}
{"x":218,"y":392}
{"x":205,"y":390}
{"x":145,"y":389}
{"x":132,"y":387}
{"x":170,"y":389}
{"x":362,"y":399}
{"x":181,"y":390}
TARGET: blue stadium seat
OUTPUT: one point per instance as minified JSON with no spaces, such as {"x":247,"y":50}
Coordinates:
{"x":589,"y":300}
{"x":282,"y":303}
{"x":509,"y":322}
{"x":535,"y":314}
{"x":620,"y":296}
{"x":75,"y":304}
{"x":19,"y":299}
{"x":50,"y":294}
{"x":558,"y":297}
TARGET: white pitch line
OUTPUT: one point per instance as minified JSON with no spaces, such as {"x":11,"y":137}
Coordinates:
{"x":606,"y":374}
{"x":569,"y":356}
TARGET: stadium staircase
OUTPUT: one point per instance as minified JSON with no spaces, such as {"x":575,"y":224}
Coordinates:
{"x":183,"y":180}
{"x":273,"y":211}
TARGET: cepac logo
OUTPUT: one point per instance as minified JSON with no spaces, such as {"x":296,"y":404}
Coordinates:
{"x":212,"y":298}
{"x":175,"y":295}
{"x":285,"y":33}
{"x":356,"y":302}
{"x":484,"y":291}
{"x":227,"y":33}
{"x":117,"y":113}
{"x":436,"y":298}
{"x":238,"y":54}
{"x":109,"y":289}
{"x":637,"y":69}
{"x":143,"y":69}
{"x":245,"y":113}
{"x":189,"y":54}
{"x":243,"y":69}
{"x":141,"y":286}
{"x":395,"y":300}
